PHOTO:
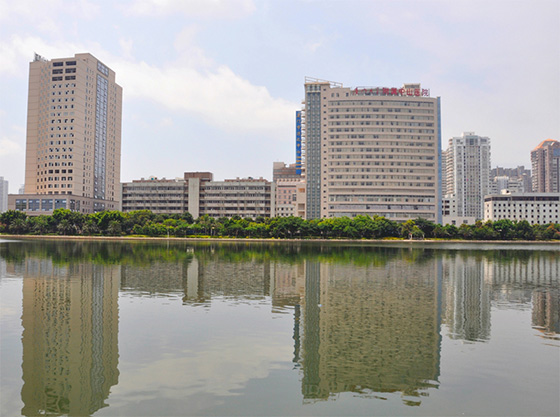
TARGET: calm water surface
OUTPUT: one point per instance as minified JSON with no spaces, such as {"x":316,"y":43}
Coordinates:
{"x":181,"y":328}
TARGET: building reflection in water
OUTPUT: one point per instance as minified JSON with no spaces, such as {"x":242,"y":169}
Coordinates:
{"x":373,"y":327}
{"x":532,"y":280}
{"x":370,"y":329}
{"x":467,"y":298}
{"x":70,"y":336}
{"x":365,"y":321}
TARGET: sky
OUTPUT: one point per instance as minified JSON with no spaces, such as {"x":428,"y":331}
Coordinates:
{"x":213,"y":85}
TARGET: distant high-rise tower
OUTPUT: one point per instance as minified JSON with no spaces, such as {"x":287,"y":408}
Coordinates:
{"x":467,"y":173}
{"x":545,"y":160}
{"x":372,"y":151}
{"x":3,"y":195}
{"x":73,"y":136}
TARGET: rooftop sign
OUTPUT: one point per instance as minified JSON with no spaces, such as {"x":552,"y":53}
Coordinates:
{"x":384,"y":91}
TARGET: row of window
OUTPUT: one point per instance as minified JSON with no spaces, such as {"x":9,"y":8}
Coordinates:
{"x":61,"y":63}
{"x":66,"y":77}
{"x":380,"y":184}
{"x":67,"y":71}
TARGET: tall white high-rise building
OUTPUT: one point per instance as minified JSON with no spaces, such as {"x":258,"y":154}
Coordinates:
{"x":466,"y":165}
{"x":373,"y":151}
{"x":73,"y":148}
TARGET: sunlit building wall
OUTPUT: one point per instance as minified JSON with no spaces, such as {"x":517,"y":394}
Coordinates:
{"x":373,"y":151}
{"x":467,"y":172}
{"x":3,"y":195}
{"x":468,"y":299}
{"x":545,"y":160}
{"x":70,"y":337}
{"x":73,"y":147}
{"x":535,"y":208}
{"x":349,"y":317}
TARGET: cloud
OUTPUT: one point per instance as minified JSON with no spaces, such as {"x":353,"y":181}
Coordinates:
{"x":9,"y":147}
{"x":18,"y":52}
{"x":221,"y":97}
{"x":45,"y":13}
{"x":214,"y":9}
{"x":192,"y":83}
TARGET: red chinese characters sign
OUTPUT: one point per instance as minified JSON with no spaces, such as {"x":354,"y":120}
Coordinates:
{"x":383,"y":91}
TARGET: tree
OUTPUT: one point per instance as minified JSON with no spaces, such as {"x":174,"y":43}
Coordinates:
{"x":523,"y":230}
{"x":505,"y":229}
{"x":65,"y":227}
{"x":186,"y":216}
{"x":384,"y":227}
{"x":426,"y":226}
{"x":364,"y":225}
{"x":10,"y":216}
{"x":18,"y":226}
{"x":114,"y":228}
{"x":406,"y":229}
{"x":39,"y":224}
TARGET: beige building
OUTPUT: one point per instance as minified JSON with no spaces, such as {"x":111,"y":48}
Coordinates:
{"x":536,"y":208}
{"x":198,"y":194}
{"x":247,"y":198}
{"x":373,"y":151}
{"x":545,"y":160}
{"x":73,"y":148}
{"x":280,"y":170}
{"x":287,"y":197}
{"x":70,"y":320}
{"x":157,"y":195}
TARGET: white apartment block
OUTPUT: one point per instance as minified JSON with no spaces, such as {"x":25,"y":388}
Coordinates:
{"x":536,"y":208}
{"x":505,"y":183}
{"x":73,"y":148}
{"x":466,"y":165}
{"x":449,"y":213}
{"x":372,"y":151}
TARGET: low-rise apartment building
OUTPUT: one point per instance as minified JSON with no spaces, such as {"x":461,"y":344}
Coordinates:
{"x":536,"y":208}
{"x":198,"y":194}
{"x":247,"y":197}
{"x":157,"y":195}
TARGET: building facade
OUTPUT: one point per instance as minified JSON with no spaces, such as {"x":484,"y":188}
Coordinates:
{"x":515,"y":176}
{"x":156,"y":195}
{"x":373,"y":151}
{"x":247,"y":198}
{"x":3,"y":194}
{"x":545,"y":160}
{"x":466,"y":165}
{"x":536,"y":208}
{"x":198,"y":194}
{"x":450,"y":214}
{"x":73,"y":147}
{"x":280,"y":170}
{"x":504,"y":183}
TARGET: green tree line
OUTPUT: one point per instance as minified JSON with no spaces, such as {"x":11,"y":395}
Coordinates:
{"x":146,"y":223}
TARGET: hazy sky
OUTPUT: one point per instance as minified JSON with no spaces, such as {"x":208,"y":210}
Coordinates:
{"x":213,"y":85}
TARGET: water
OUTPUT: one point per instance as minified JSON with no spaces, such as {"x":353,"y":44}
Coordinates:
{"x":177,"y":328}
